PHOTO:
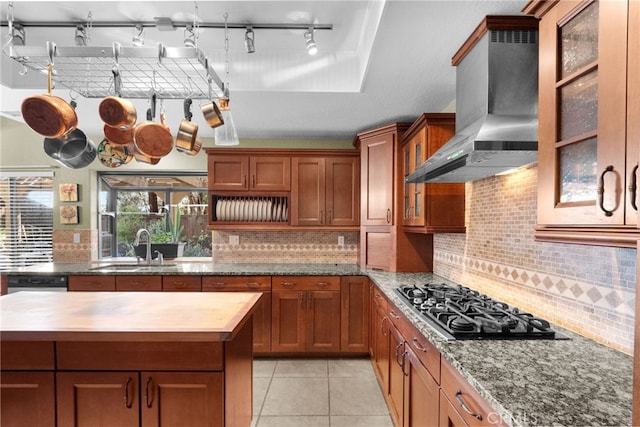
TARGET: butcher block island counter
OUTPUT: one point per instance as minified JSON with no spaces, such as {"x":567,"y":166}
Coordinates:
{"x":126,"y":358}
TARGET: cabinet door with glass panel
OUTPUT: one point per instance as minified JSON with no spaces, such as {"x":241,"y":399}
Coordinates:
{"x":586,"y":164}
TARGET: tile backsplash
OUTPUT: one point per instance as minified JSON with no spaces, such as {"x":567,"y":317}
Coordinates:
{"x":298,"y":247}
{"x":587,"y":289}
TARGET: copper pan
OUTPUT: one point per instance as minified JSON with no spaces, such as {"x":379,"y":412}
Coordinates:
{"x":49,"y":115}
{"x":116,"y":111}
{"x":187,"y":132}
{"x":118,"y":136}
{"x":153,"y":139}
{"x":212,"y":114}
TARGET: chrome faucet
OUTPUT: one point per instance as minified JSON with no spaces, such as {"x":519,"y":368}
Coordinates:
{"x":137,"y":242}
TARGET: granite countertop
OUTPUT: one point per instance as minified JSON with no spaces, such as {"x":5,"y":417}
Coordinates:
{"x":575,"y":382}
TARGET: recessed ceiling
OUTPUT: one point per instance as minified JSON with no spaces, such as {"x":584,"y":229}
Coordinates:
{"x":382,"y":61}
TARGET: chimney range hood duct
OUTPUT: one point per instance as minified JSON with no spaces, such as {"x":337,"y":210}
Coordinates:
{"x":496,"y":104}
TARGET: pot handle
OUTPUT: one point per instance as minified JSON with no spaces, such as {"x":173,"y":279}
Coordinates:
{"x":149,"y":115}
{"x":187,"y":109}
{"x":152,"y":108}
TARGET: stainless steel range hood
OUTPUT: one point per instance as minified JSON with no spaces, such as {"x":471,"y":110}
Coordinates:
{"x":496,"y":105}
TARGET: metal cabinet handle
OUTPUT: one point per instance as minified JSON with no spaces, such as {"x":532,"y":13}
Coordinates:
{"x":288,"y":284}
{"x":419,"y":346}
{"x":218,"y":284}
{"x":330,"y":217}
{"x":127,"y":402}
{"x":404,"y":360}
{"x":321,"y":216}
{"x":180,"y":285}
{"x":148,"y":393}
{"x":382,"y":326}
{"x":393,"y":314}
{"x":253,"y":181}
{"x":388,"y":216}
{"x":633,"y":187}
{"x":301,"y":299}
{"x":309,"y":301}
{"x":322,"y":284}
{"x":244,"y":180}
{"x":465,"y":408}
{"x":601,"y":191}
{"x":253,"y":285}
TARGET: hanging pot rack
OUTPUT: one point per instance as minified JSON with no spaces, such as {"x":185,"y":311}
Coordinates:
{"x":171,"y":72}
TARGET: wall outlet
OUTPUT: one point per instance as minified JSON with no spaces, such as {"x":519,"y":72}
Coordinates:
{"x":234,"y":240}
{"x":340,"y":240}
{"x":76,"y":237}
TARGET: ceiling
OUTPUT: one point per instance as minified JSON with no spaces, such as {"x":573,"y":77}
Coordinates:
{"x":381,"y":62}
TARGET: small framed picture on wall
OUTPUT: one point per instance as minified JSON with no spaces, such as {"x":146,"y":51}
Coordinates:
{"x":68,"y":192}
{"x":69,"y":214}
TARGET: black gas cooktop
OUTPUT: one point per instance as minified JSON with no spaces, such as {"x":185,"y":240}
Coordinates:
{"x":460,"y":313}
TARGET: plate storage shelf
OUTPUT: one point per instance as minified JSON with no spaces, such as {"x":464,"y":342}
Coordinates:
{"x":257,"y":211}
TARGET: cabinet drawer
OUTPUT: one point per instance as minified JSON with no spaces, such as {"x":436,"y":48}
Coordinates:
{"x":465,"y":399}
{"x":114,"y":356}
{"x":27,"y":355}
{"x":379,"y":300}
{"x":181,"y":283}
{"x":306,"y":283}
{"x":428,"y":355}
{"x":236,"y":283}
{"x":138,"y":283}
{"x":91,"y":283}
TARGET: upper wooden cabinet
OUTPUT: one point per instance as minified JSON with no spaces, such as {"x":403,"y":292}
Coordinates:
{"x":430,"y":208}
{"x":588,"y":121}
{"x":233,"y":172}
{"x":325,"y":191}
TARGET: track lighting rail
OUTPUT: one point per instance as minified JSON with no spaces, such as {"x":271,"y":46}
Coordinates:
{"x":176,"y":24}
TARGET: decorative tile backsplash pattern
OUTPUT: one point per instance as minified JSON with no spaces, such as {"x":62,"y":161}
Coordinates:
{"x":64,"y":250}
{"x":308,"y":247}
{"x":588,"y":289}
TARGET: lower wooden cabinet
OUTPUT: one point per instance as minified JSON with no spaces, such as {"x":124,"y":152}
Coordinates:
{"x":137,"y":283}
{"x":354,"y":314}
{"x":421,"y":391}
{"x":27,"y":399}
{"x":140,"y":398}
{"x":91,"y":283}
{"x":395,"y":397}
{"x":305,"y":314}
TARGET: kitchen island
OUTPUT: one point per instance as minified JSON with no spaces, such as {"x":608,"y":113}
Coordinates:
{"x":126,"y":358}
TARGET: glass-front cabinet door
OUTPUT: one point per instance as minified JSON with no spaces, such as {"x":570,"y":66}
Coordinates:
{"x":584,"y":176}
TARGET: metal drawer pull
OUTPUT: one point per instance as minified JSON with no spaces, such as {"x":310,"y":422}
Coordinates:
{"x":404,"y":361}
{"x":465,"y":407}
{"x":127,"y":403}
{"x":147,"y":393}
{"x":388,"y":216}
{"x":633,"y":187}
{"x":288,"y":284}
{"x":322,"y":284}
{"x":382,"y":326}
{"x":393,"y":314}
{"x":218,"y":284}
{"x":601,"y":191}
{"x":301,"y":299}
{"x":398,"y":354}
{"x":419,"y":346}
{"x":253,"y":285}
{"x":181,"y":285}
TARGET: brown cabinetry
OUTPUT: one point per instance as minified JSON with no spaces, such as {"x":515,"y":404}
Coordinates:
{"x":383,"y":243}
{"x":588,"y":131}
{"x":354,"y":314}
{"x":181,"y":283}
{"x":233,"y":172}
{"x":91,"y":283}
{"x":27,"y":399}
{"x":137,"y":283}
{"x":325,"y":191}
{"x":306,"y":314}
{"x":261,"y":311}
{"x":140,"y":398}
{"x":380,"y":336}
{"x":430,"y":208}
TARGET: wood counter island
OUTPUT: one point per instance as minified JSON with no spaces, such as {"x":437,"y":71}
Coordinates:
{"x":126,"y":359}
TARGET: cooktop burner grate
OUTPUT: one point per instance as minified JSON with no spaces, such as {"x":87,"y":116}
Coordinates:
{"x":459,"y":312}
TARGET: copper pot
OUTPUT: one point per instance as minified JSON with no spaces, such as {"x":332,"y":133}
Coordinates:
{"x":118,"y":112}
{"x":118,"y":136}
{"x":153,"y":139}
{"x":187,"y":137}
{"x":49,"y":115}
{"x":212,"y":114}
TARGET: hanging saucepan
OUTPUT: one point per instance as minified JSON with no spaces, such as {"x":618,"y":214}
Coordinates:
{"x":211,"y":112}
{"x":49,"y":115}
{"x":153,"y":139}
{"x":187,"y":132}
{"x":118,"y":136}
{"x":144,"y":158}
{"x":74,"y":150}
{"x":116,"y":111}
{"x":114,"y":155}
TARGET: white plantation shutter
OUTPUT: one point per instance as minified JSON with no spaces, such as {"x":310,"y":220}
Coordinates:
{"x":26,"y":218}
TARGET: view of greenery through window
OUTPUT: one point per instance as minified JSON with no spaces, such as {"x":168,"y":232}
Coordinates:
{"x":172,"y":208}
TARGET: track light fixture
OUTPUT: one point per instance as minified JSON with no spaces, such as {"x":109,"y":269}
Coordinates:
{"x":312,"y":48}
{"x":81,"y":35}
{"x":138,"y":39}
{"x":249,"y":44}
{"x":189,"y":36}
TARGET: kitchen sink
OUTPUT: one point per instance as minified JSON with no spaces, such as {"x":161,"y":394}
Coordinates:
{"x":131,"y":267}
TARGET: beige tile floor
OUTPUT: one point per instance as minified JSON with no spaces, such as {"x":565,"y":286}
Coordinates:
{"x":317,"y":393}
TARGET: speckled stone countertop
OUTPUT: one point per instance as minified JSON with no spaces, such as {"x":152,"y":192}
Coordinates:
{"x":575,"y":382}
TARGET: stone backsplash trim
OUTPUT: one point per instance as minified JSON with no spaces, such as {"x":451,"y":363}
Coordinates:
{"x":65,"y":250}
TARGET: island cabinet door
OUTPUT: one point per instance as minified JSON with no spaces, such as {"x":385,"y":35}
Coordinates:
{"x":194,"y":399}
{"x":27,"y":399}
{"x":98,"y":399}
